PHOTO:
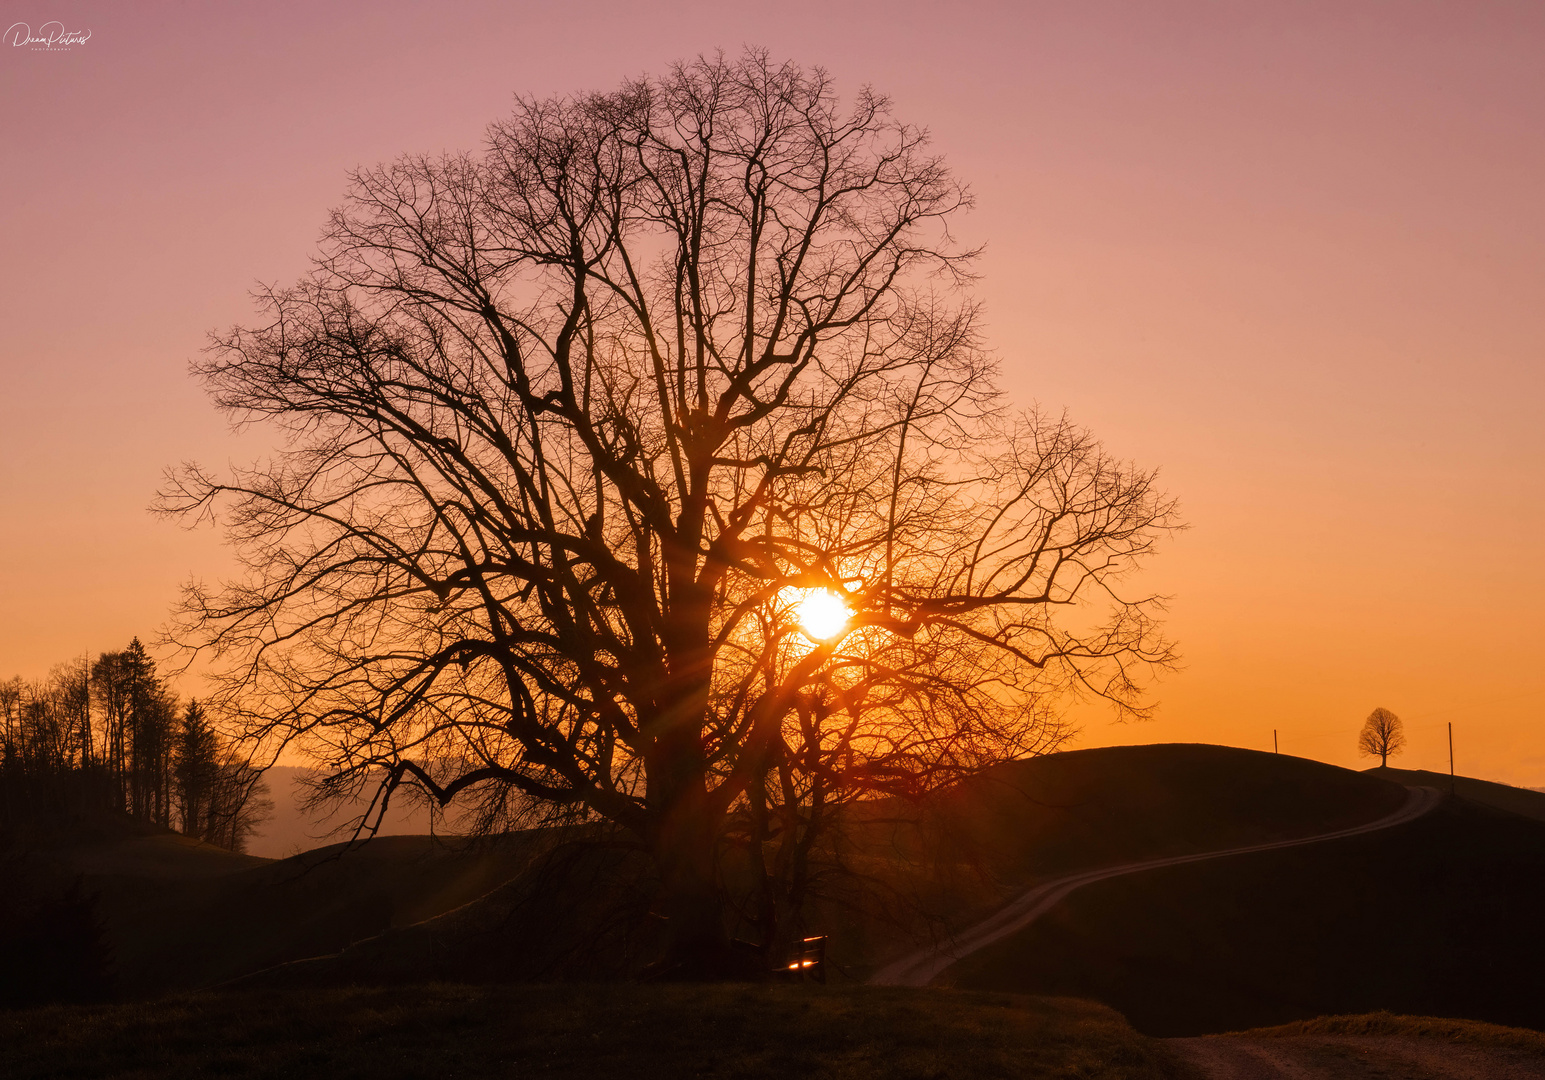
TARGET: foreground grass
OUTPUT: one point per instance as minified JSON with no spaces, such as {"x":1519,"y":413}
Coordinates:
{"x":448,"y":1031}
{"x":1469,"y":1032}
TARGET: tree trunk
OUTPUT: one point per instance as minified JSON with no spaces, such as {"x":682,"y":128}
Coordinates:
{"x":698,"y":946}
{"x":684,"y":843}
{"x":685,"y":829}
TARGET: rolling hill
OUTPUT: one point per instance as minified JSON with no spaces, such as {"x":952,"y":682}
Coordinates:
{"x":1236,"y":943}
{"x":292,"y":830}
{"x":1526,"y":802}
{"x":1437,"y":917}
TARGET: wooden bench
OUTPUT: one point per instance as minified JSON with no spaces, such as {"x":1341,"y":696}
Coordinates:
{"x":807,"y":960}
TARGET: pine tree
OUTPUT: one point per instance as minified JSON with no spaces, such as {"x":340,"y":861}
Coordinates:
{"x":197,"y":771}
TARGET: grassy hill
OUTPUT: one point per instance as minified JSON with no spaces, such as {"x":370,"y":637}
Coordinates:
{"x":1438,"y":917}
{"x":901,"y":872}
{"x":1083,"y":808}
{"x":960,"y":855}
{"x":180,"y":916}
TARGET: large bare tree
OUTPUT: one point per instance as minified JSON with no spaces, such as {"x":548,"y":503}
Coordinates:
{"x":576,"y":426}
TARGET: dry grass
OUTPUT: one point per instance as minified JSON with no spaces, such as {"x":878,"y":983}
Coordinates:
{"x":583,"y":1031}
{"x":1471,"y":1032}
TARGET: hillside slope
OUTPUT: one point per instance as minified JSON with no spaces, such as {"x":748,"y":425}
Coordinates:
{"x":902,"y":872}
{"x":935,"y":868}
{"x":177,"y":914}
{"x":291,"y":829}
{"x":1526,"y":802}
{"x":179,"y":918}
{"x":1437,"y":917}
{"x":1086,"y":808}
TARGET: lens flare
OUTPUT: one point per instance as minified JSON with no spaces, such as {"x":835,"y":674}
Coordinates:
{"x":822,"y":614}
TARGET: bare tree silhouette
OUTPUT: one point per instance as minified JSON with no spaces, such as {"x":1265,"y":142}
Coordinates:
{"x":1383,"y":734}
{"x":577,"y":425}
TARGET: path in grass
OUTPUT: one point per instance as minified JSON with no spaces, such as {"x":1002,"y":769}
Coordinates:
{"x":1242,"y":1057}
{"x":921,"y":967}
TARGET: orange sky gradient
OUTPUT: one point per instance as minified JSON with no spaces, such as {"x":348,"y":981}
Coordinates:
{"x":1293,"y":254}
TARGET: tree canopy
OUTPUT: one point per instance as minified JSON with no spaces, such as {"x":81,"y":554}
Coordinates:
{"x":572,"y":426}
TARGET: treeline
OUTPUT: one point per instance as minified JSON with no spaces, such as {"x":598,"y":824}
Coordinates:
{"x":99,"y":739}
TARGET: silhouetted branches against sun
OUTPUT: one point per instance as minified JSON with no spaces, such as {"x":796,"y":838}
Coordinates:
{"x":566,"y":418}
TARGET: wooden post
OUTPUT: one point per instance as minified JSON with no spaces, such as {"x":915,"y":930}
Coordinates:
{"x":1451,"y":757}
{"x":1273,"y":740}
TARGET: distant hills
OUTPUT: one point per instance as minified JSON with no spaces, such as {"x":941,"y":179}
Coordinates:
{"x":292,"y":830}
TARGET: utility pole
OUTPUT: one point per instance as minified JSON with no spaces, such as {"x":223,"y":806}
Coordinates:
{"x":1451,"y":757}
{"x":1273,"y":740}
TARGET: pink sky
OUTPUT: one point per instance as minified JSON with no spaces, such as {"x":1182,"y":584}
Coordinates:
{"x":1294,"y":254}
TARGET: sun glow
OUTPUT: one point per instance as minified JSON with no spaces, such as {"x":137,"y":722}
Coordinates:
{"x":822,"y":614}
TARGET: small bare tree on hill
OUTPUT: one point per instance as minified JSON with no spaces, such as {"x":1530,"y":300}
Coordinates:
{"x":1383,"y":734}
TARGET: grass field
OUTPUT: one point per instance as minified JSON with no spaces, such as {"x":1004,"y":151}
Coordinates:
{"x":584,"y":1031}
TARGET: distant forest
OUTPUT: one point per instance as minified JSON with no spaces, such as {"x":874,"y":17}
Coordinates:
{"x":100,"y":740}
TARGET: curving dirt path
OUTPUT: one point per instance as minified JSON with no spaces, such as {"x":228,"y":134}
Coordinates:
{"x":921,"y":967}
{"x":1243,"y":1057}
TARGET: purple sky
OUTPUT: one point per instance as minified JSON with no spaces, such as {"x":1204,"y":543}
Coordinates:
{"x":1294,"y":254}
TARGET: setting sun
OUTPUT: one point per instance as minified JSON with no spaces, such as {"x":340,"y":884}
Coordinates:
{"x":822,"y":614}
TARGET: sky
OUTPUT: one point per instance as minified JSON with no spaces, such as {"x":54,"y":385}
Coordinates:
{"x":1291,"y":254}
